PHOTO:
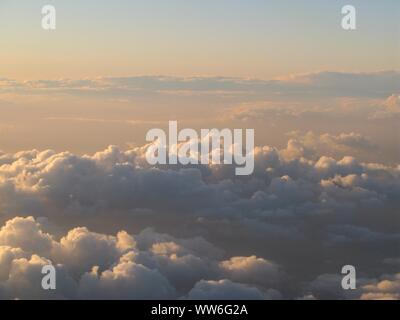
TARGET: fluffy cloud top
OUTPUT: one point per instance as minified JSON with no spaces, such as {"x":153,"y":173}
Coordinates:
{"x":302,"y":214}
{"x":98,"y":266}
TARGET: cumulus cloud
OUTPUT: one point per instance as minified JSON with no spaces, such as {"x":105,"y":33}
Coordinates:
{"x":314,"y":101}
{"x":98,"y":266}
{"x":25,"y":277}
{"x":228,"y":290}
{"x":328,"y":286}
{"x":122,"y":180}
{"x":80,"y":249}
{"x":387,"y":288}
{"x":126,"y":280}
{"x":393,"y":103}
{"x":312,"y":145}
{"x":251,"y":270}
{"x":301,"y":214}
{"x":7,"y":256}
{"x":25,"y":233}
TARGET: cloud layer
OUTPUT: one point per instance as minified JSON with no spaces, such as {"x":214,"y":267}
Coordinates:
{"x":147,"y":266}
{"x":284,"y":232}
{"x":328,"y":83}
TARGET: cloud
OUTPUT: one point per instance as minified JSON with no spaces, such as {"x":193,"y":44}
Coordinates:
{"x":81,"y":249}
{"x":251,"y":270}
{"x":393,"y":103}
{"x":328,"y":83}
{"x":7,"y":256}
{"x":321,"y":110}
{"x":25,"y":277}
{"x":228,"y":290}
{"x":311,"y":145}
{"x":152,"y":265}
{"x":302,"y":207}
{"x":126,"y":280}
{"x":25,"y":233}
{"x":122,"y":180}
{"x":384,"y":289}
{"x":387,"y":109}
{"x":348,"y":84}
{"x":98,"y":266}
{"x":328,"y":286}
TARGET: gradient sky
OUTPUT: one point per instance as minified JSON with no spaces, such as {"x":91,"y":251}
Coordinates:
{"x":224,"y":37}
{"x":220,"y":38}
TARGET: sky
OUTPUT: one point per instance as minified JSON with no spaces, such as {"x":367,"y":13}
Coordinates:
{"x":263,"y":39}
{"x":76,"y":189}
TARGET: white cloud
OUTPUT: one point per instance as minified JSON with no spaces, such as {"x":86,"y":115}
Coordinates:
{"x":126,"y":280}
{"x":92,"y":265}
{"x":25,"y":233}
{"x":298,"y":203}
{"x":251,"y":269}
{"x":81,"y":249}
